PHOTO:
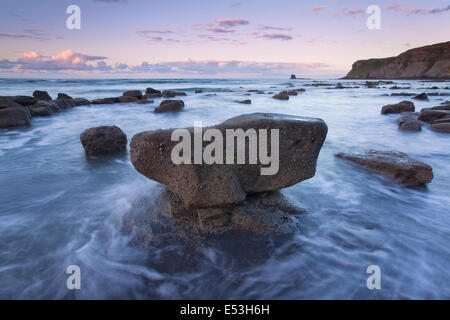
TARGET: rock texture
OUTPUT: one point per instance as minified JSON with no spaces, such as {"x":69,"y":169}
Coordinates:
{"x":103,"y":140}
{"x":217,"y":185}
{"x":404,"y":106}
{"x":397,"y":165}
{"x":170,"y":106}
{"x":13,"y":114}
{"x":425,"y":62}
{"x":42,"y":95}
{"x":281,"y":96}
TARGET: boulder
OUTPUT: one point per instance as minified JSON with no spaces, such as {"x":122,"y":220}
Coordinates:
{"x":441,"y":107}
{"x":42,"y":95}
{"x":43,"y":108}
{"x":22,"y":100}
{"x":397,"y":165}
{"x":427,"y":115}
{"x":133,"y":93}
{"x":170,"y":106}
{"x":292,"y":93}
{"x":145,"y":101}
{"x":248,"y":101}
{"x":81,"y":102}
{"x":12,"y":114}
{"x":220,"y":185}
{"x":150,"y":92}
{"x":198,"y":91}
{"x":281,"y":96}
{"x":103,"y":140}
{"x":404,"y":106}
{"x":410,"y":125}
{"x":127,"y":99}
{"x":293,"y":77}
{"x":422,"y":96}
{"x":105,"y":101}
{"x":444,"y":119}
{"x":65,"y":103}
{"x":441,"y":127}
{"x":172,"y":94}
{"x":63,"y":96}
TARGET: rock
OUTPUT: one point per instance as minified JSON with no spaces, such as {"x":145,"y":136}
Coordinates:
{"x":442,"y":107}
{"x":422,"y":96}
{"x":12,"y":114}
{"x":127,"y":99}
{"x":293,"y":77}
{"x":170,"y":106}
{"x":430,"y":115}
{"x":441,"y":127}
{"x":171,"y":94}
{"x":402,"y":94}
{"x":105,"y":101}
{"x":43,"y":108}
{"x":145,"y":101}
{"x":397,"y":165}
{"x":22,"y":100}
{"x":42,"y":95}
{"x":404,"y":106}
{"x":198,"y":91}
{"x":81,"y":102}
{"x":150,"y":92}
{"x":410,"y":125}
{"x":292,"y":93}
{"x":245,"y":101}
{"x":404,"y":118}
{"x":133,"y":93}
{"x":444,"y":119}
{"x":300,"y":90}
{"x":216,"y":185}
{"x":103,"y":140}
{"x":65,"y":103}
{"x":63,"y":96}
{"x":281,"y":96}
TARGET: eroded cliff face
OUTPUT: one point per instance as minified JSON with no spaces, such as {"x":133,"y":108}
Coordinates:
{"x":429,"y":62}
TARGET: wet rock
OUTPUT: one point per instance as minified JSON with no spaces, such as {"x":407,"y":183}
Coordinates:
{"x":103,"y":140}
{"x":172,"y":94}
{"x":127,"y":99}
{"x":293,"y":77}
{"x":42,"y":95}
{"x":281,"y":96}
{"x":43,"y":108}
{"x":410,"y":125}
{"x":13,"y":114}
{"x":292,"y":93}
{"x":248,"y":101}
{"x":198,"y":91}
{"x":397,"y":165}
{"x":152,"y":93}
{"x":427,"y":115}
{"x":441,"y":107}
{"x":145,"y":101}
{"x":402,"y":94}
{"x":133,"y":93}
{"x":65,"y":103}
{"x":105,"y":101}
{"x":22,"y":100}
{"x":218,"y":185}
{"x":444,"y":119}
{"x":170,"y":106}
{"x":404,"y":106}
{"x":81,"y":102}
{"x":422,"y":96}
{"x":441,"y":127}
{"x":63,"y":96}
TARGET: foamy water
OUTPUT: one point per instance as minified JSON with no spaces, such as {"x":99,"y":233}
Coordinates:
{"x":58,"y":208}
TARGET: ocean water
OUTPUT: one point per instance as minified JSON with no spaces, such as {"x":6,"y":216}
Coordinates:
{"x":58,"y":208}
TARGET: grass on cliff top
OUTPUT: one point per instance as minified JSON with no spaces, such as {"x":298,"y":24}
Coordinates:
{"x":368,"y":66}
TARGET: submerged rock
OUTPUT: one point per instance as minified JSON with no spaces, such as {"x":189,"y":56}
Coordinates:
{"x":43,"y":108}
{"x":133,"y":93}
{"x":397,"y":165}
{"x":248,"y":101}
{"x":225,"y":185}
{"x":63,"y":96}
{"x":170,"y":106}
{"x":152,"y":93}
{"x":427,"y":115}
{"x":281,"y":96}
{"x":105,"y":101}
{"x":172,"y":94}
{"x":441,"y":127}
{"x":127,"y":99}
{"x":422,"y":96}
{"x":404,"y":106}
{"x":103,"y":140}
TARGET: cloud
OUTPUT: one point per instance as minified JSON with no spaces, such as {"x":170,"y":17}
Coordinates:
{"x":32,"y":34}
{"x":229,"y":23}
{"x":318,"y":8}
{"x":400,"y":8}
{"x":269,"y":27}
{"x":447,"y":8}
{"x":273,"y":36}
{"x":156,"y":35}
{"x":347,"y":11}
{"x":219,"y":30}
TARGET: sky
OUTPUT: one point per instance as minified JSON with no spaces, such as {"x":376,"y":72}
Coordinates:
{"x":209,"y":38}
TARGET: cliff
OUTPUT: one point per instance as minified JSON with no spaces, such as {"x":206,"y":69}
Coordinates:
{"x":429,"y":62}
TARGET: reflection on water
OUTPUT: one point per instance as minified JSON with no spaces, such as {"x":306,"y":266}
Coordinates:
{"x":58,"y":208}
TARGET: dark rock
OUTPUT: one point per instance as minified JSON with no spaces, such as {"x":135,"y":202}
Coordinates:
{"x":198,"y":91}
{"x":170,"y":106}
{"x":42,"y":95}
{"x":105,"y":101}
{"x":441,"y":127}
{"x":404,"y":106}
{"x":103,"y":140}
{"x":22,"y":100}
{"x":150,"y":92}
{"x":65,"y":103}
{"x":397,"y":165}
{"x":133,"y":93}
{"x":430,"y":115}
{"x":63,"y":96}
{"x":281,"y":96}
{"x":145,"y":101}
{"x":293,"y":77}
{"x":245,"y":101}
{"x":43,"y":108}
{"x":127,"y":99}
{"x":402,"y":94}
{"x":292,"y":93}
{"x":81,"y":102}
{"x":218,"y":185}
{"x":422,"y":96}
{"x":410,"y":125}
{"x":444,"y":119}
{"x":171,"y":94}
{"x":12,"y":114}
